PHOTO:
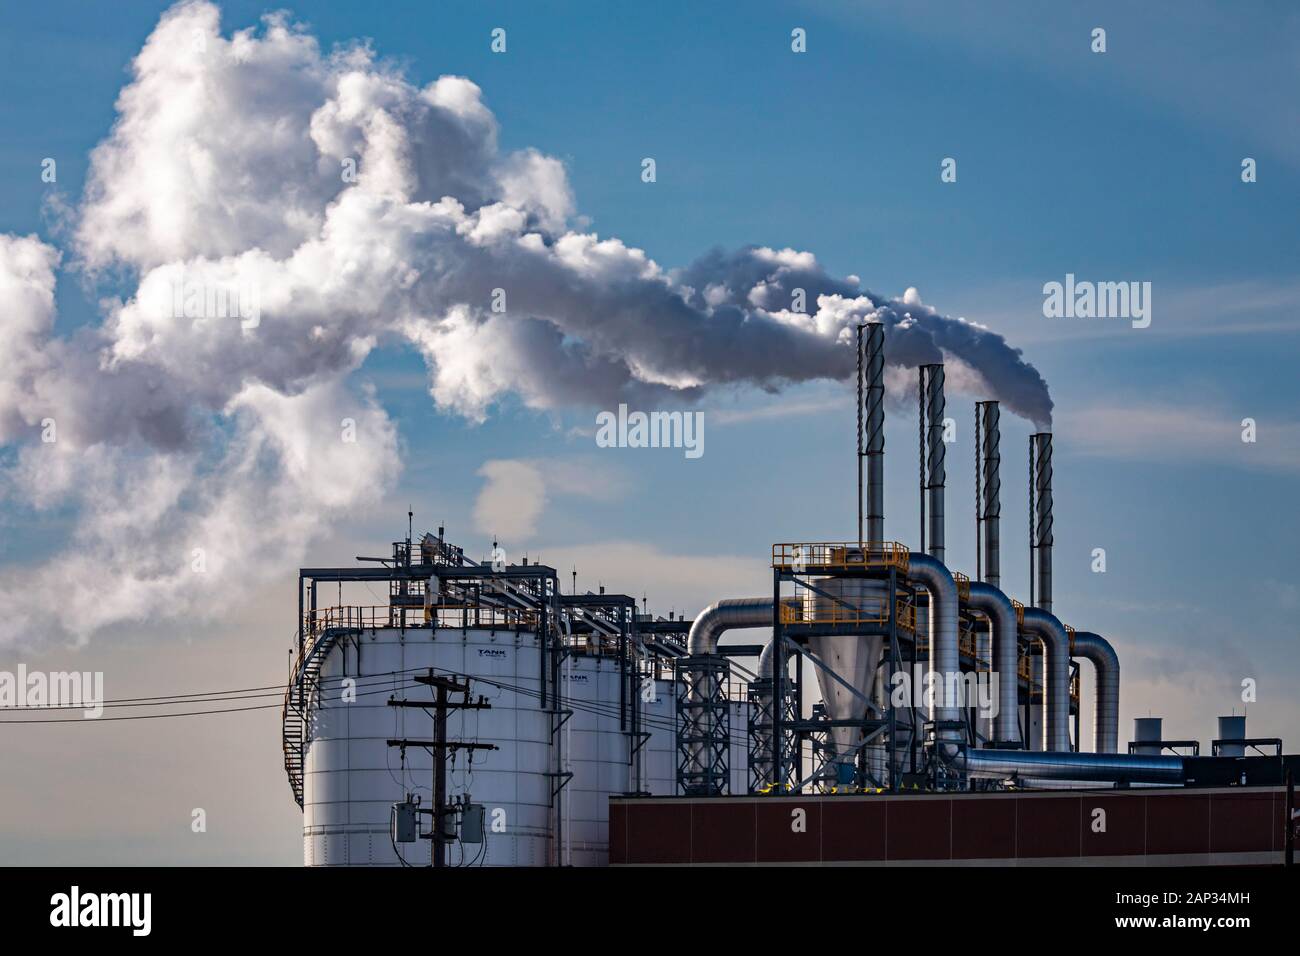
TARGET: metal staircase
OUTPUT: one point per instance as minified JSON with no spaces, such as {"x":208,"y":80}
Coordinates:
{"x":297,"y":697}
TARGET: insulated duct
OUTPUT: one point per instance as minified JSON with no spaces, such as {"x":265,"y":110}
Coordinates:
{"x":722,"y":616}
{"x":989,"y":490}
{"x":932,"y":452}
{"x":1115,"y":768}
{"x":1105,"y":708}
{"x":718,"y":618}
{"x":997,"y":607}
{"x":1051,"y":632}
{"x":937,"y":580}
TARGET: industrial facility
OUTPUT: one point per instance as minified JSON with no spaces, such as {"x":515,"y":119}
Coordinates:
{"x":470,"y":713}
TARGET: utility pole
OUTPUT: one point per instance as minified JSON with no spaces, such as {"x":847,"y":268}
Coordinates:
{"x":440,"y":746}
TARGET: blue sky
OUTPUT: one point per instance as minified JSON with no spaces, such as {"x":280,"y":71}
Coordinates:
{"x":1115,"y":166}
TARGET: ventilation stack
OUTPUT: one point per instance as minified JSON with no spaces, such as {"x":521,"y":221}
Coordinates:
{"x":933,"y":474}
{"x":1040,"y":527}
{"x":988,"y":493}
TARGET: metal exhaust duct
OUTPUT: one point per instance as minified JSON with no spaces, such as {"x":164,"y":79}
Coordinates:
{"x":988,"y":490}
{"x":1105,"y":708}
{"x":933,"y":473}
{"x":997,"y":607}
{"x":1116,"y":768}
{"x":1056,"y":682}
{"x":937,"y":580}
{"x":722,"y":616}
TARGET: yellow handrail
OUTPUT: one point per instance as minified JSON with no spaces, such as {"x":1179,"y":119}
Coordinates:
{"x":839,"y":555}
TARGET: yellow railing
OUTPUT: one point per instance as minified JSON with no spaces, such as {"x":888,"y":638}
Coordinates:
{"x":829,"y":612}
{"x":963,"y":585}
{"x":838,"y":556}
{"x":1020,"y":612}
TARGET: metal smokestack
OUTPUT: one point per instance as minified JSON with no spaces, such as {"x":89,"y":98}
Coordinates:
{"x":871,"y":442}
{"x":933,"y":474}
{"x":988,"y":491}
{"x":1040,"y":531}
{"x":875,"y":445}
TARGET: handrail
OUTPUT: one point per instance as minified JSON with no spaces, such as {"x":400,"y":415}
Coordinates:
{"x":839,"y":555}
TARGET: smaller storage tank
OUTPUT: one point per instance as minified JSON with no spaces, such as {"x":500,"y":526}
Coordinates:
{"x":1147,"y":729}
{"x":1232,"y":728}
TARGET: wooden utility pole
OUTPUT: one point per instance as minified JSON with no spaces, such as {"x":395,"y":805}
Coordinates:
{"x":439,"y":746}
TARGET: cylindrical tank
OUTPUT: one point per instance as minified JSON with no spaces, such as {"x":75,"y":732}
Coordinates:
{"x":1147,"y":729}
{"x":1232,"y":728}
{"x":595,"y":751}
{"x":352,"y":777}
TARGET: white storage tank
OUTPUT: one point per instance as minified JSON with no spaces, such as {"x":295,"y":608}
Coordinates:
{"x":596,"y":752}
{"x":352,"y":777}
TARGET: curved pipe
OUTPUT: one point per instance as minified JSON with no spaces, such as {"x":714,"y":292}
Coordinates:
{"x":1056,"y":677}
{"x":996,"y":606}
{"x":937,"y":580}
{"x":1105,"y":708}
{"x":722,"y":616}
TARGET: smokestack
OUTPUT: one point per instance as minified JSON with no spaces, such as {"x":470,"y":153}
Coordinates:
{"x":875,"y":445}
{"x":933,"y":473}
{"x":988,"y":490}
{"x":1040,"y":519}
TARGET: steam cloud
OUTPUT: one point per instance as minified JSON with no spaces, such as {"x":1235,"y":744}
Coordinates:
{"x":226,"y":169}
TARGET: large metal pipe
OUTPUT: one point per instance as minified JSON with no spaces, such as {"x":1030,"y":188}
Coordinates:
{"x":935,"y":473}
{"x":945,"y":664}
{"x":997,"y":607}
{"x":989,"y":492}
{"x":1105,"y":707}
{"x":714,"y":621}
{"x":1116,"y":768}
{"x":1051,"y":632}
{"x":722,"y":616}
{"x":1040,"y":457}
{"x":875,"y":446}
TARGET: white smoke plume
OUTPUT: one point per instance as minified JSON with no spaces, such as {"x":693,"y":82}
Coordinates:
{"x":352,"y":209}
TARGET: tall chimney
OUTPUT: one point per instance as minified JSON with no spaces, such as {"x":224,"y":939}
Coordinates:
{"x":932,"y":454}
{"x":1040,"y":531}
{"x":875,"y":445}
{"x":988,"y":491}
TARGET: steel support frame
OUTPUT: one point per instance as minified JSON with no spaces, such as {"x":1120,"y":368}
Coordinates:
{"x":703,"y":724}
{"x":781,"y":739}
